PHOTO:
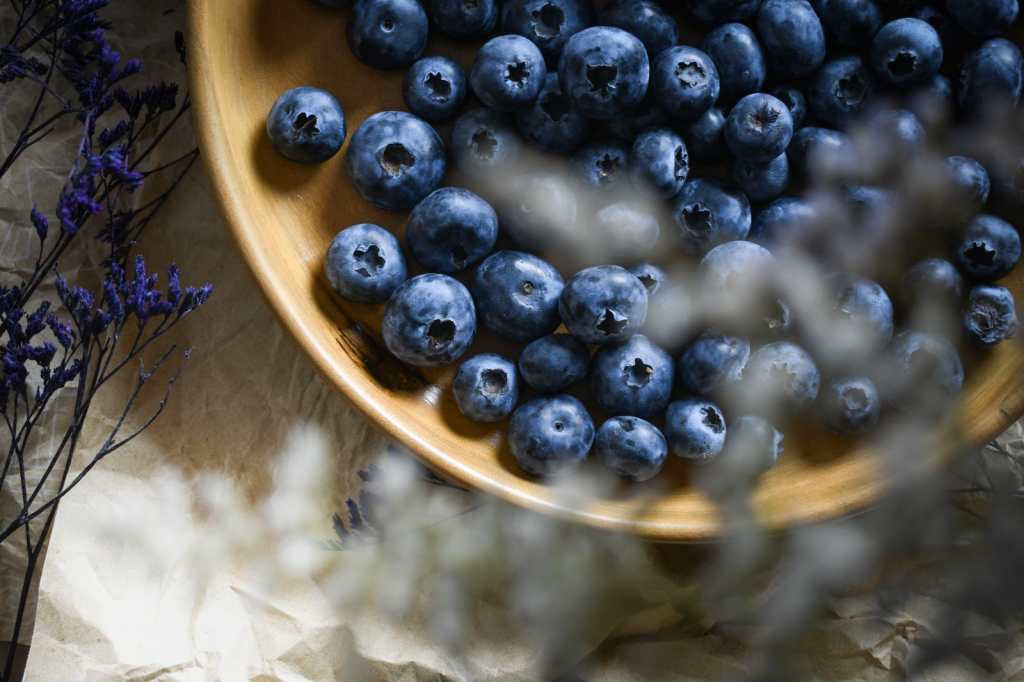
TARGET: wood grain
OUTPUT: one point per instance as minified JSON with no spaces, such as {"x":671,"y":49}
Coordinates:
{"x":242,"y":55}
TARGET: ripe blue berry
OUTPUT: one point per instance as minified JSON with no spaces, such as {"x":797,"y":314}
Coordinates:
{"x":991,"y":74}
{"x":604,"y":71}
{"x":463,"y":20}
{"x":712,"y":362}
{"x":650,"y":275}
{"x":434,"y":88}
{"x":685,"y":82}
{"x":429,"y":321}
{"x":365,"y":263}
{"x":508,"y":73}
{"x":989,"y":249}
{"x":794,"y":100}
{"x":451,"y":229}
{"x":754,"y":445}
{"x":932,"y":281}
{"x":631,"y":447}
{"x":627,"y":230}
{"x":762,"y":181}
{"x":735,"y":265}
{"x":553,"y":363}
{"x":758,"y":128}
{"x":785,"y":223}
{"x":710,"y":213}
{"x":812,"y":148}
{"x":550,"y":122}
{"x":970,"y":179}
{"x":984,"y":18}
{"x":705,"y":137}
{"x":923,"y":373}
{"x":484,"y":140}
{"x":387,"y":34}
{"x":658,"y":161}
{"x":738,"y":59}
{"x":547,"y":23}
{"x":785,"y":371}
{"x":695,"y":429}
{"x":632,"y":378}
{"x":906,"y":51}
{"x":306,"y":125}
{"x":601,"y":164}
{"x":851,"y":23}
{"x":486,"y":387}
{"x":864,"y":312}
{"x":850,"y":404}
{"x":792,"y":37}
{"x":549,"y":435}
{"x":603,"y":304}
{"x":517,"y":295}
{"x":990,"y":315}
{"x":840,"y":90}
{"x":645,"y":19}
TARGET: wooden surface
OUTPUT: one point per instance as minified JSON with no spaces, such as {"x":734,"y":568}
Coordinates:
{"x":242,"y":55}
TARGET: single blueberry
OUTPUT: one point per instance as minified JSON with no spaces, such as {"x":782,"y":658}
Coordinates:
{"x":712,"y":363}
{"x":839,"y":90}
{"x":695,"y":429}
{"x":650,"y":275}
{"x":601,"y":165}
{"x":991,"y":74}
{"x":632,"y":378}
{"x":717,"y":12}
{"x":785,"y":223}
{"x":850,"y":404}
{"x":931,"y":281}
{"x":631,"y":447}
{"x":645,"y":19}
{"x":365,"y":263}
{"x":553,"y":363}
{"x":551,"y":122}
{"x":658,"y":160}
{"x":906,"y":51}
{"x":685,"y":82}
{"x":735,"y":266}
{"x":483,"y":140}
{"x":603,"y":304}
{"x":306,"y":125}
{"x":989,"y":248}
{"x":395,"y":159}
{"x":899,"y":128}
{"x":851,"y":23}
{"x":709,"y":213}
{"x":517,"y":295}
{"x":990,"y":315}
{"x":864,"y":312}
{"x":434,"y":88}
{"x":738,"y":58}
{"x":783,"y":371}
{"x":970,"y":179}
{"x":451,"y":229}
{"x":813,"y":148}
{"x":794,"y":100}
{"x":923,"y":373}
{"x":486,"y":387}
{"x":762,"y":181}
{"x":508,"y":73}
{"x":548,"y":23}
{"x":758,"y":128}
{"x":462,"y":19}
{"x":792,"y":37}
{"x":754,"y":446}
{"x":535,"y":207}
{"x":429,"y":321}
{"x":604,"y":71}
{"x":705,"y":137}
{"x":984,"y":18}
{"x":387,"y":34}
{"x":628,"y":230}
{"x":549,"y":435}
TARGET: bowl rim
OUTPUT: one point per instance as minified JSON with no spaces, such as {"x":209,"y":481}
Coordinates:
{"x":205,"y":117}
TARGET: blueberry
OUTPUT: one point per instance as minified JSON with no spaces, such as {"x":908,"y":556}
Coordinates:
{"x":306,"y":125}
{"x":865,"y":309}
{"x":603,"y":304}
{"x":553,"y":363}
{"x":658,"y":160}
{"x":783,"y":370}
{"x":395,"y":159}
{"x":650,"y":275}
{"x":897,"y":127}
{"x":840,"y":90}
{"x":548,"y":435}
{"x":633,"y":377}
{"x":851,"y":23}
{"x":537,"y":201}
{"x":991,"y":73}
{"x":548,"y":23}
{"x":604,"y":71}
{"x":735,"y":265}
{"x":551,"y":122}
{"x":434,"y":88}
{"x":695,"y":429}
{"x":758,"y":128}
{"x":685,"y":82}
{"x":365,"y":263}
{"x":989,"y":248}
{"x":631,"y":447}
{"x":791,"y":36}
{"x":710,"y":213}
{"x":949,"y":34}
{"x":486,"y":387}
{"x":451,"y":229}
{"x":716,"y":12}
{"x":627,"y":229}
{"x":482,"y":140}
{"x":738,"y":58}
{"x":812,"y":147}
{"x":463,"y":20}
{"x":754,"y":445}
{"x":984,"y":18}
{"x":970,"y":180}
{"x":906,"y":51}
{"x":517,"y":295}
{"x":932,"y":280}
{"x":508,"y":73}
{"x":762,"y":181}
{"x":705,"y":137}
{"x":429,"y":321}
{"x":387,"y":34}
{"x":601,"y":164}
{"x":786,"y":222}
{"x":990,"y":315}
{"x":645,"y":19}
{"x":794,"y":100}
{"x":850,"y":404}
{"x":924,"y":372}
{"x":712,"y":362}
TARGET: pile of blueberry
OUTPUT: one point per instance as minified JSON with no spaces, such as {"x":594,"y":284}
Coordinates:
{"x":774,"y":85}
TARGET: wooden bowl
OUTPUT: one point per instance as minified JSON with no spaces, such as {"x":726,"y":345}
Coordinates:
{"x":242,"y":55}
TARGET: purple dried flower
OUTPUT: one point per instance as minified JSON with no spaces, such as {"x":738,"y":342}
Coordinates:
{"x":40,"y":222}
